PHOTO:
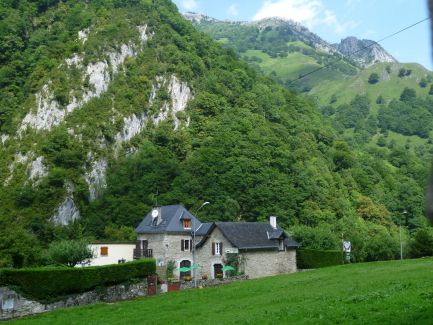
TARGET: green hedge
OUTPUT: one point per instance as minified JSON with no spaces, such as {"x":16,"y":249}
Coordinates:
{"x":312,"y":259}
{"x":48,"y":283}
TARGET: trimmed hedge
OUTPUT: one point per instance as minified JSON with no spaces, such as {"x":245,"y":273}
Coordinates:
{"x":312,"y":259}
{"x":48,"y":283}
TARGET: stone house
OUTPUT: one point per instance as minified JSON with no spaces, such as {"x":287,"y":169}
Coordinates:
{"x":172,"y":233}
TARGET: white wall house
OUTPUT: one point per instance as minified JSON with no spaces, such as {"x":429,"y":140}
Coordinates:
{"x":111,"y":253}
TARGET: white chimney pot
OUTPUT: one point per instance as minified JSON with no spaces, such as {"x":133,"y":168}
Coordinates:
{"x":273,"y":222}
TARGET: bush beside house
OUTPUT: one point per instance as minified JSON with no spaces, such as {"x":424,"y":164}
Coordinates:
{"x":311,"y":258}
{"x":48,"y":283}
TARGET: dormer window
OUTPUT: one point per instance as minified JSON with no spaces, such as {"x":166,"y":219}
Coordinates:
{"x":281,"y":244}
{"x":186,"y":223}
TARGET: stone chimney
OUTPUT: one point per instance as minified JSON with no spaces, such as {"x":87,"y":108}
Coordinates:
{"x":273,"y":222}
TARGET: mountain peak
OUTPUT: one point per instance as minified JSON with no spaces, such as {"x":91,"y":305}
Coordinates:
{"x":196,"y":17}
{"x":365,"y":52}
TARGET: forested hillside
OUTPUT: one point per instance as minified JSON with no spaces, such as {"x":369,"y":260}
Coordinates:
{"x":109,"y":107}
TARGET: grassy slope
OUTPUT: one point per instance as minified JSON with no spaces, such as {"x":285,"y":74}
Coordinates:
{"x":396,"y":292}
{"x":390,"y":85}
{"x":294,"y":65}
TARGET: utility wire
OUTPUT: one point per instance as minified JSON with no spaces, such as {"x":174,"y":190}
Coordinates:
{"x":357,"y":51}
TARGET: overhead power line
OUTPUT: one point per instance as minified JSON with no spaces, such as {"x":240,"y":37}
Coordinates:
{"x":359,"y":50}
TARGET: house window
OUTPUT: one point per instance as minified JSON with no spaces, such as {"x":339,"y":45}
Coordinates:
{"x":217,"y":248}
{"x":104,"y":251}
{"x":186,"y":224}
{"x":185,"y":245}
{"x":280,"y":244}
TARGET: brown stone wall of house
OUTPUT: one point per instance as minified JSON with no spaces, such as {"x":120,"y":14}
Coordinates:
{"x":168,"y":247}
{"x":205,"y":257}
{"x":265,"y":263}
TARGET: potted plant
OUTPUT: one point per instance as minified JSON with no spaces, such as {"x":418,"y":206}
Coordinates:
{"x":172,"y":283}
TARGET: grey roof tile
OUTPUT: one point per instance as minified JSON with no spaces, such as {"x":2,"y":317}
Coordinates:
{"x":254,"y":235}
{"x":171,"y":220}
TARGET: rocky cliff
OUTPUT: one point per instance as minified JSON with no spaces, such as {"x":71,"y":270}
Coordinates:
{"x":365,"y":52}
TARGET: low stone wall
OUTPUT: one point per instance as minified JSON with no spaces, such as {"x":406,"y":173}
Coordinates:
{"x":212,"y":282}
{"x":13,"y":305}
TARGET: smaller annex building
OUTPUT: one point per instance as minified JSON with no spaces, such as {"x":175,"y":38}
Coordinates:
{"x":172,"y":233}
{"x":105,"y":253}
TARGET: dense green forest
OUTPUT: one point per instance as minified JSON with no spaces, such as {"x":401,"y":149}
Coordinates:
{"x":244,"y":142}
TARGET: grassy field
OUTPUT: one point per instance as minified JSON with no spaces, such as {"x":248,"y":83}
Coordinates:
{"x":389,"y":87}
{"x":396,"y":292}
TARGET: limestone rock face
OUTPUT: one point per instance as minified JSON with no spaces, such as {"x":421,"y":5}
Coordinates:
{"x":66,"y":213}
{"x":36,"y":169}
{"x":50,"y":113}
{"x":95,"y":178}
{"x":364,"y":52}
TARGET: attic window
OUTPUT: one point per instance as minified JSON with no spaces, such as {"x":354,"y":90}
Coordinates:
{"x":186,"y":223}
{"x":155,"y":221}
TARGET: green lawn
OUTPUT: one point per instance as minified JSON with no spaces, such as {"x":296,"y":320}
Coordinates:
{"x":371,"y":293}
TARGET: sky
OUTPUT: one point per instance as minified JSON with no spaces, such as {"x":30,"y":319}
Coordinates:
{"x":334,"y":20}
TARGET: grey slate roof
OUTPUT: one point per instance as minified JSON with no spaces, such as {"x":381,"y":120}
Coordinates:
{"x":203,"y":229}
{"x":251,"y":235}
{"x":171,"y":221}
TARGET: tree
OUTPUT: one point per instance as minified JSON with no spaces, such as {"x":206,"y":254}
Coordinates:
{"x":69,"y":252}
{"x":380,"y":100}
{"x":422,"y":243}
{"x":423,"y":83}
{"x":381,"y":141}
{"x":388,"y":69}
{"x":408,"y":94}
{"x":430,"y":92}
{"x":402,"y":72}
{"x":374,"y":78}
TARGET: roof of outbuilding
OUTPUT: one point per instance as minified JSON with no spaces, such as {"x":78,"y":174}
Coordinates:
{"x":171,"y":220}
{"x":252,"y":235}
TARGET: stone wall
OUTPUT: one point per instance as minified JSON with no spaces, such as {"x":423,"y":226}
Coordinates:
{"x":265,"y":263}
{"x":212,"y":282}
{"x":167,"y":247}
{"x":13,"y":305}
{"x":205,"y":257}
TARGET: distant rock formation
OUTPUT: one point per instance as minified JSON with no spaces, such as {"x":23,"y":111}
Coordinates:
{"x":365,"y":52}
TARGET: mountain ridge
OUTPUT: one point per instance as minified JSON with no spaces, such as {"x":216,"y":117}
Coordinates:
{"x":350,"y":46}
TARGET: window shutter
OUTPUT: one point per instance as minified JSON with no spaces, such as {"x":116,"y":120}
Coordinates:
{"x":190,"y":244}
{"x":138,"y":244}
{"x":221,"y":248}
{"x":182,"y":245}
{"x":145,"y":244}
{"x":213,"y":248}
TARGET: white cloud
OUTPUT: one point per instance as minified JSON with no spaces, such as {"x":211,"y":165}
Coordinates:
{"x":307,"y":12}
{"x":190,"y":4}
{"x":233,"y":10}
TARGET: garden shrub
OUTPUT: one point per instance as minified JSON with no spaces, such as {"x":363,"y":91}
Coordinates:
{"x":45,"y":284}
{"x":311,"y":258}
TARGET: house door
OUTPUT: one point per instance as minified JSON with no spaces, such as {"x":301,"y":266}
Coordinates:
{"x":185,"y":263}
{"x":218,"y":269}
